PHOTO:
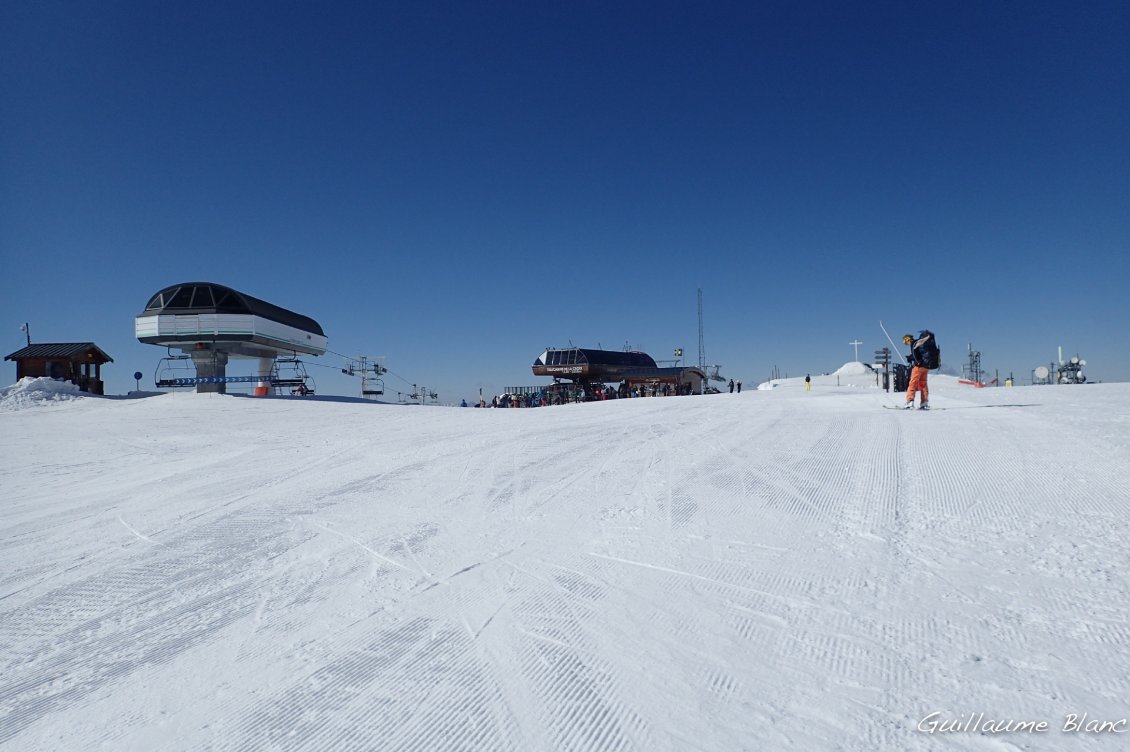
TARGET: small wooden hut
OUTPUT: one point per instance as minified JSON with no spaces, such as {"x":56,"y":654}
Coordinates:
{"x":77,"y":362}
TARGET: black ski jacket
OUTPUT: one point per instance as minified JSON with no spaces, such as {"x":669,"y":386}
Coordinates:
{"x":917,"y":355}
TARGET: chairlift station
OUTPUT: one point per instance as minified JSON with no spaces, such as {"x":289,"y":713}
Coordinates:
{"x":211,"y":323}
{"x":588,"y":366}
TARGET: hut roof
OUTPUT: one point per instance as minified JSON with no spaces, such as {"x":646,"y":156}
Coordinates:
{"x":60,"y":350}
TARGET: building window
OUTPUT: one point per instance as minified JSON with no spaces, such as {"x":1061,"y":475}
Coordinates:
{"x":182,"y":298}
{"x":203,"y":298}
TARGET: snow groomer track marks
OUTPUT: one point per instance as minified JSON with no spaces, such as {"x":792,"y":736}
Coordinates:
{"x":767,"y":570}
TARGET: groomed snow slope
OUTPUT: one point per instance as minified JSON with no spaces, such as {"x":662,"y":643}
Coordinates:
{"x":766,"y":571}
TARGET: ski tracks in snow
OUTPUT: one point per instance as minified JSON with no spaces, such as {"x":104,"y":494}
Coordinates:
{"x":729,"y":577}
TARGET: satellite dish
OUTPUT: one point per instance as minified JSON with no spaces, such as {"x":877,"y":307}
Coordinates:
{"x":1075,"y":360}
{"x":1042,"y":372}
{"x":1082,"y":362}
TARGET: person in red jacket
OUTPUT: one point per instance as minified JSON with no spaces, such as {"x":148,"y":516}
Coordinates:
{"x":918,"y":371}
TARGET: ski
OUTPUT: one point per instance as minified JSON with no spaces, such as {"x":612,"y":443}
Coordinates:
{"x":894,"y":348}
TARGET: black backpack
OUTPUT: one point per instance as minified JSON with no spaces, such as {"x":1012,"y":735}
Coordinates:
{"x":931,"y":353}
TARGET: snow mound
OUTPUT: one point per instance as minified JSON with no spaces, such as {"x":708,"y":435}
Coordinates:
{"x":853,"y":369}
{"x":29,"y":392}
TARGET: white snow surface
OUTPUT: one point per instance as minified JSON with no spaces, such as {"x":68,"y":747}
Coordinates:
{"x":854,"y":369}
{"x":771,"y":570}
{"x":30,"y":392}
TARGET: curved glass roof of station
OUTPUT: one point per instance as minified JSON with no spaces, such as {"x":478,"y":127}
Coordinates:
{"x":208,"y":297}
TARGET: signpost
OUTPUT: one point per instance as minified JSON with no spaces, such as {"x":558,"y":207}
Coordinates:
{"x":883,"y":358}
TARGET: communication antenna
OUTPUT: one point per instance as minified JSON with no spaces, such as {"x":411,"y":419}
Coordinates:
{"x":701,"y":340}
{"x":1070,"y":371}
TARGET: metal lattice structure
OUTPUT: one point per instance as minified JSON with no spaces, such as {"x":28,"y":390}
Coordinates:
{"x":972,"y":369}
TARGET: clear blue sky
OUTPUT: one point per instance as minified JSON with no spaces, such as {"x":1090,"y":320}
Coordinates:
{"x":455,"y":186}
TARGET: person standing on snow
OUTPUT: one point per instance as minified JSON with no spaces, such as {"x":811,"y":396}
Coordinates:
{"x":731,"y":386}
{"x":918,"y":371}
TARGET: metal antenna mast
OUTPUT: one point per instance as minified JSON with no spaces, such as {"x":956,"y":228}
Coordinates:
{"x":701,"y":340}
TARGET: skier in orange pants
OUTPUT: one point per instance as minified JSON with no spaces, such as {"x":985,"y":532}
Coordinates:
{"x":918,"y":374}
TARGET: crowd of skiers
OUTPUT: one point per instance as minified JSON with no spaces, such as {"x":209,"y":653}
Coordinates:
{"x":563,"y":394}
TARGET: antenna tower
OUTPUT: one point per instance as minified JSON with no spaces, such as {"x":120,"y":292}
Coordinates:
{"x":701,"y":340}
